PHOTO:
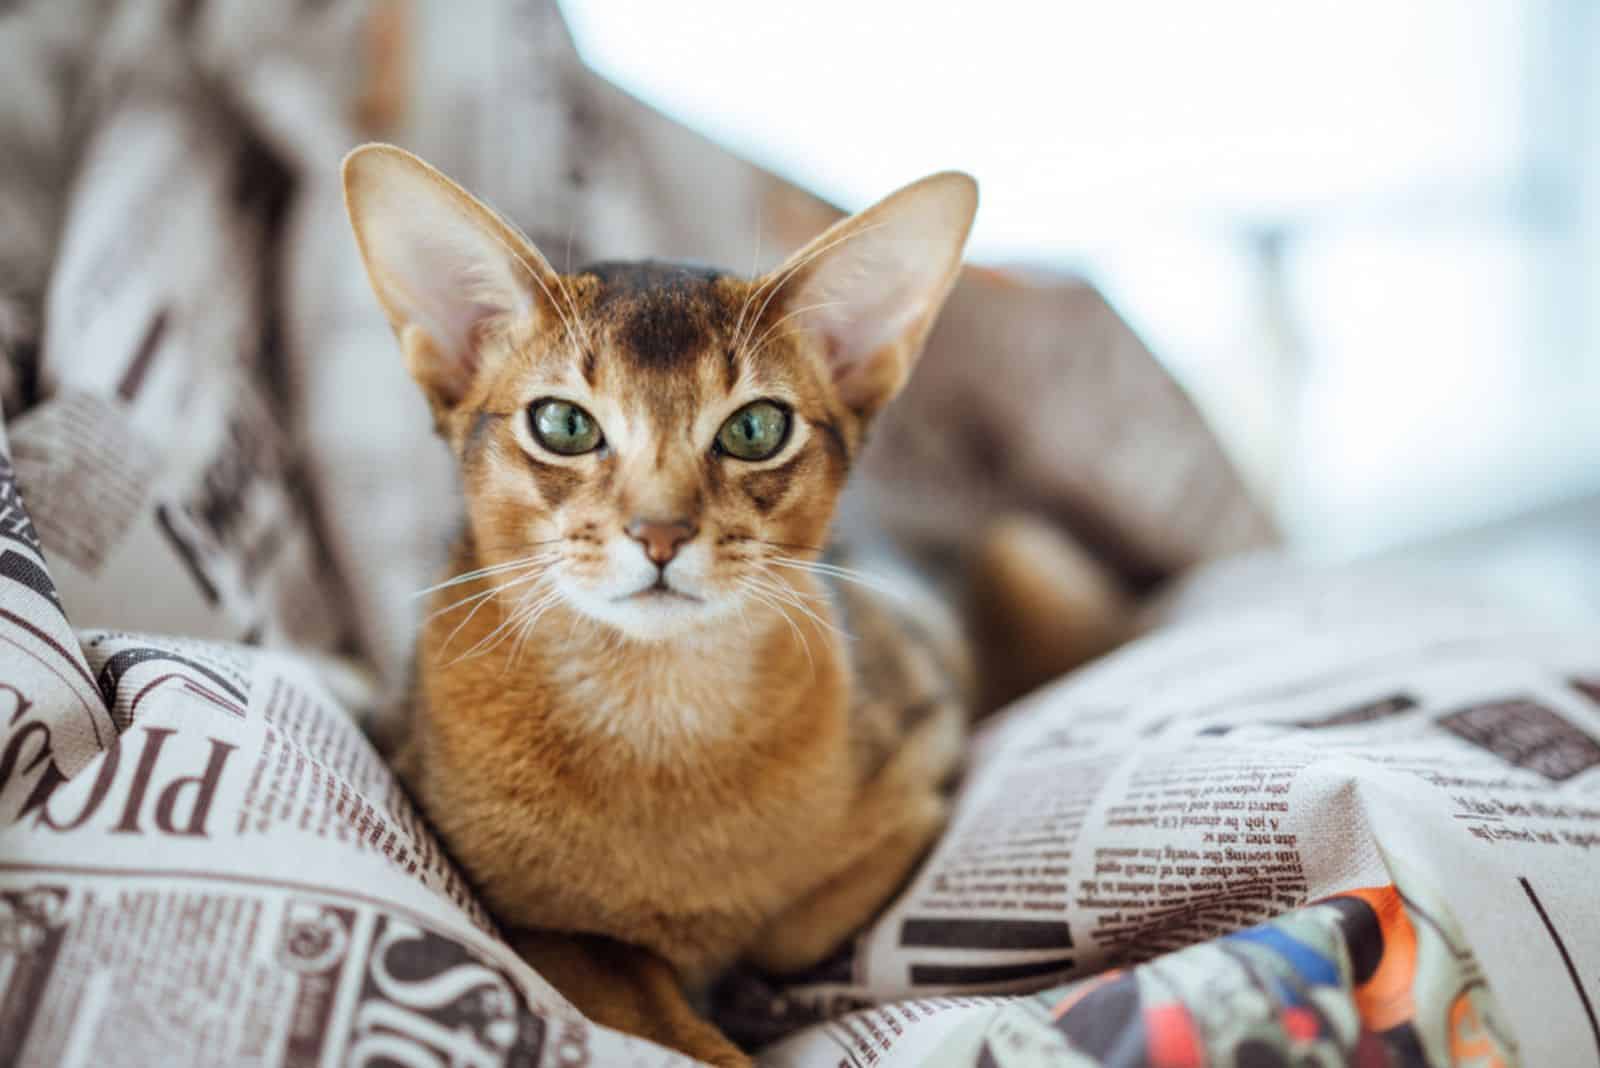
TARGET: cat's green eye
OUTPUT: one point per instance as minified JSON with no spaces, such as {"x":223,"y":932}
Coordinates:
{"x":755,"y":432}
{"x":564,"y":428}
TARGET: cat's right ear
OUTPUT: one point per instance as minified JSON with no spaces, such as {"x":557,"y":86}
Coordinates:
{"x":445,"y":268}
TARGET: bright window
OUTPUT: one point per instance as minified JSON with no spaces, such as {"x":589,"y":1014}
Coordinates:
{"x":1362,"y":233}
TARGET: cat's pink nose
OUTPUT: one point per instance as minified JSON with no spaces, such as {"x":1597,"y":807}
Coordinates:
{"x":660,"y":537}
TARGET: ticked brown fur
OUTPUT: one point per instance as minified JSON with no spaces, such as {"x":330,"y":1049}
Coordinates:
{"x":647,"y":787}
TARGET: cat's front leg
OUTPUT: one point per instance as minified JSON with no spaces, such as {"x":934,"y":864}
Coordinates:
{"x":809,"y":930}
{"x":896,"y":819}
{"x":627,"y":989}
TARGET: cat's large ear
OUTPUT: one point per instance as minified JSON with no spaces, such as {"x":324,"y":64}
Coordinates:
{"x":870,"y":287}
{"x":445,"y":268}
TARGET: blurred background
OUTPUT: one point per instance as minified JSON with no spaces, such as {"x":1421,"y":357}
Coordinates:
{"x":1362,"y":234}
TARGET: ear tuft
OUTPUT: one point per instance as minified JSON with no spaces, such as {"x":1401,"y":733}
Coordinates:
{"x":871,"y":286}
{"x":443,"y":266}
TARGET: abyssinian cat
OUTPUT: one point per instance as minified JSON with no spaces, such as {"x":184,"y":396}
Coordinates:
{"x":638,"y":726}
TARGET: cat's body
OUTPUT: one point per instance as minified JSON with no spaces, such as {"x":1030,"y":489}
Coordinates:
{"x":639,"y":726}
{"x":767,"y":766}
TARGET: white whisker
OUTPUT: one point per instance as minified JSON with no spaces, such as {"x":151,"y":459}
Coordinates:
{"x":503,"y":586}
{"x":790,"y":595}
{"x":487,"y":643}
{"x":773,"y":604}
{"x":762,"y":340}
{"x":755,"y":264}
{"x":530,"y":620}
{"x":479,"y":596}
{"x":483,"y":572}
{"x":848,"y":574}
{"x":568,"y":315}
{"x":775,"y":284}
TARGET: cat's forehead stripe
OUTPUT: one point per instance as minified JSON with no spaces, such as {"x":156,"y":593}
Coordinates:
{"x":659,"y":316}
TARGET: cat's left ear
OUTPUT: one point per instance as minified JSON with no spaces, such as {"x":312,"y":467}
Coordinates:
{"x":870,"y":287}
{"x":444,"y":267}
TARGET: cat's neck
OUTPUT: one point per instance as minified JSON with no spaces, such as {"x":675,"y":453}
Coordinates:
{"x":732,"y":678}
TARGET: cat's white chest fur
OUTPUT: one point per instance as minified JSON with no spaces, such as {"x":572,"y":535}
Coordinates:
{"x":657,"y":707}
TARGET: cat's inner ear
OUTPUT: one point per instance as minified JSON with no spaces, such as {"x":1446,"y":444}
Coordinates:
{"x":869,"y":288}
{"x":445,"y":268}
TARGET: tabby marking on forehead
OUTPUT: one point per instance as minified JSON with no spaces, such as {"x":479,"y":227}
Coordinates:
{"x":659,"y":315}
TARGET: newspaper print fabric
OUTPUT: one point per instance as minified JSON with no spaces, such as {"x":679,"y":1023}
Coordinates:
{"x":1353,"y":826}
{"x":1345,"y":732}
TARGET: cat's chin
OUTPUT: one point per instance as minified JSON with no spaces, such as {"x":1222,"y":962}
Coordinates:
{"x":651,"y":615}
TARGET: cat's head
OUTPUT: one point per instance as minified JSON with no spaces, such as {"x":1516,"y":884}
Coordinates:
{"x":657,"y":439}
